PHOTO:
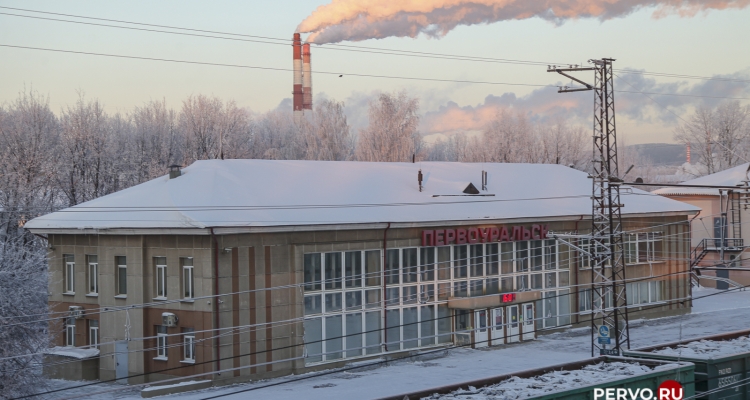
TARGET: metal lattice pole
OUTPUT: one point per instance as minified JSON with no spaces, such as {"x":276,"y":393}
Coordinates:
{"x":608,"y":290}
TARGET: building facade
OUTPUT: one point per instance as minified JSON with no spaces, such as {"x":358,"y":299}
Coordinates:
{"x":250,"y":299}
{"x":719,"y":232}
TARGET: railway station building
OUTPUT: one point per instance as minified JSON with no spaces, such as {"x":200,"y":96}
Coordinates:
{"x":247,"y":269}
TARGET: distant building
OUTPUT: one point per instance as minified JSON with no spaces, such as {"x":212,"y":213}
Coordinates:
{"x":720,"y":231}
{"x":316,"y":264}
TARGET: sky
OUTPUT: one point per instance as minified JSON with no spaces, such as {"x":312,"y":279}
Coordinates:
{"x":709,"y":43}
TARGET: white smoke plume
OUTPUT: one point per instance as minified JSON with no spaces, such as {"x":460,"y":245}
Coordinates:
{"x":356,"y":20}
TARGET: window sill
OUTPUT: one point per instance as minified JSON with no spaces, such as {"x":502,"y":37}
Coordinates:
{"x":121,"y":296}
{"x":92,"y":295}
{"x":69,"y":293}
{"x":159,"y":298}
{"x":187,"y":362}
{"x":187,"y":301}
{"x":161,"y":358}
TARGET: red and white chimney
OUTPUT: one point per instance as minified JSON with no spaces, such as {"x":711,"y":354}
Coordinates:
{"x":297,"y":88}
{"x":688,"y":153}
{"x":306,"y":78}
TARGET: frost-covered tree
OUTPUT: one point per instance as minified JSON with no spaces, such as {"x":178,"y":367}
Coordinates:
{"x":717,"y":136}
{"x":212,"y":129}
{"x":327,"y":136}
{"x":391,"y":133}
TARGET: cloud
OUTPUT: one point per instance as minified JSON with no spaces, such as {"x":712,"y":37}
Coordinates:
{"x":546,"y":104}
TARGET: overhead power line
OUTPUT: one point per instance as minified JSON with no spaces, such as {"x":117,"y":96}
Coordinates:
{"x":339,"y":73}
{"x":339,"y":46}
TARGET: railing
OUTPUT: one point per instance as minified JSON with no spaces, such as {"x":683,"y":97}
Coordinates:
{"x":706,"y":245}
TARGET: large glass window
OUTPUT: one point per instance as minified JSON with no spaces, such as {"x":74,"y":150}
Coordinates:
{"x":344,"y":314}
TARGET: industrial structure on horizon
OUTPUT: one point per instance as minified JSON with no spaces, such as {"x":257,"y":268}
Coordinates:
{"x":302,"y":89}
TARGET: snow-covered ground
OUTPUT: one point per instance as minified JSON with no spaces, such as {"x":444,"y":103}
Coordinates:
{"x":715,"y":314}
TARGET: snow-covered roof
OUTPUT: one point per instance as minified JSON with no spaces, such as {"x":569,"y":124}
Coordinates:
{"x":267,"y":193}
{"x":729,"y":177}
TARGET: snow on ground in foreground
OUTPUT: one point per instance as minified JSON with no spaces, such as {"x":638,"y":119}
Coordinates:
{"x":555,"y":381}
{"x":723,"y":312}
{"x":710,"y":348}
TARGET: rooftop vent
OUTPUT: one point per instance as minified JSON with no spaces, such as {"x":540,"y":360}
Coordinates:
{"x":484,"y":180}
{"x":174,"y":171}
{"x":471,"y":189}
{"x":419,"y":179}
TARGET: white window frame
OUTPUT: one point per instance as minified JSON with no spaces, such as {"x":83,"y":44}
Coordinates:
{"x":188,"y":278}
{"x":94,"y":334}
{"x":161,"y":343}
{"x":118,"y":277}
{"x":70,"y":332}
{"x":93,"y":276}
{"x":188,"y":343}
{"x":70,"y":275}
{"x":161,"y":279}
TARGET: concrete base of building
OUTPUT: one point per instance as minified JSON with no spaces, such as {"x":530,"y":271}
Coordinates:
{"x":71,"y":369}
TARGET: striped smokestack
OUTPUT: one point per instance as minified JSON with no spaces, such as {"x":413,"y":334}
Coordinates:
{"x":297,"y":89}
{"x":306,"y":78}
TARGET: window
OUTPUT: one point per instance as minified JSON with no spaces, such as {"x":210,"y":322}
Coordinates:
{"x":643,"y":247}
{"x":585,"y":299}
{"x":188,"y":284}
{"x":93,"y":275}
{"x":70,"y":273}
{"x":121,"y":279}
{"x":188,"y":345}
{"x":94,"y":333}
{"x":70,"y":332}
{"x":161,"y":342}
{"x":161,"y":277}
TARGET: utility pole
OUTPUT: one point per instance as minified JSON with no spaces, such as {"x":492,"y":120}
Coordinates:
{"x":606,"y":239}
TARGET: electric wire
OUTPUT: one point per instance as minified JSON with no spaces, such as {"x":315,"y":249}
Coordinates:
{"x":338,"y":46}
{"x":343,"y":336}
{"x":412,"y":78}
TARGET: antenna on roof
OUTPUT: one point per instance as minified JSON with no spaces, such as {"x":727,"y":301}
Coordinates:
{"x":419,"y":179}
{"x":413,"y":158}
{"x":484,"y":180}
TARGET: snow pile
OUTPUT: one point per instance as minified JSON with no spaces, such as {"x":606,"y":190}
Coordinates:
{"x":74,"y":352}
{"x":522,"y":388}
{"x":711,"y":348}
{"x":188,"y":383}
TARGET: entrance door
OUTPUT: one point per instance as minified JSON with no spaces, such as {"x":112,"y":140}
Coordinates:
{"x":498,"y":329}
{"x":121,"y":361}
{"x":529,"y":333}
{"x":480,"y":329}
{"x":513,"y":324}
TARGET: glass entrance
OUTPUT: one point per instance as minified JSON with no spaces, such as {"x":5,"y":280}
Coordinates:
{"x":481,"y":335}
{"x":498,"y":327}
{"x":529,"y":326}
{"x":513,"y":327}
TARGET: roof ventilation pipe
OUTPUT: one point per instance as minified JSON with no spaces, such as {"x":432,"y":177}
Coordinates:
{"x":419,"y":179}
{"x":174,"y":171}
{"x":484,"y":180}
